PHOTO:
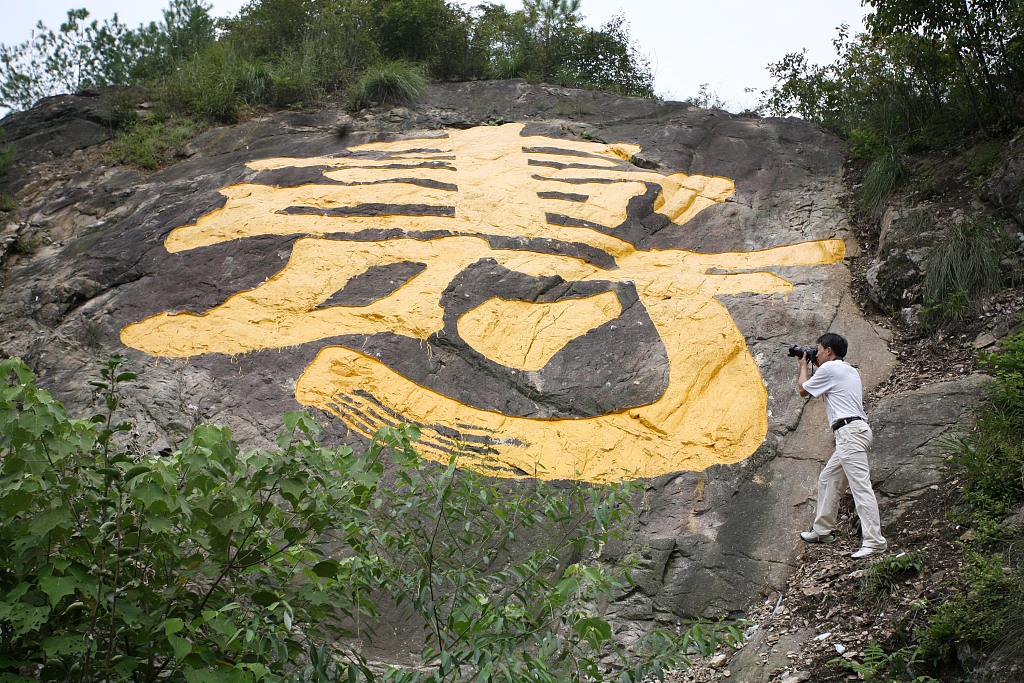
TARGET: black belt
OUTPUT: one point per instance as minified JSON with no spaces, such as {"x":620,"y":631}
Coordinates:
{"x":842,"y":422}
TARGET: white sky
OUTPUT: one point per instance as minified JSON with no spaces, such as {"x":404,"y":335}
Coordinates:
{"x":726,"y":43}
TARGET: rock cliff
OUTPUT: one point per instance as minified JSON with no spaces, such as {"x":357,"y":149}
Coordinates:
{"x":556,"y":283}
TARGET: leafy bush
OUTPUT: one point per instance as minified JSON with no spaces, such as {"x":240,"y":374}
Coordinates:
{"x":990,"y":463}
{"x":217,"y":564}
{"x":962,"y":269}
{"x":921,"y":74}
{"x":388,"y":83}
{"x":989,"y":459}
{"x":978,"y":618}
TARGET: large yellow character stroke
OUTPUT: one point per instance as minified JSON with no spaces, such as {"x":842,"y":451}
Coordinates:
{"x":448,"y":199}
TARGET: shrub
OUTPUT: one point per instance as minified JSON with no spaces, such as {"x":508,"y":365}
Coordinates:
{"x":217,"y":83}
{"x":980,"y":616}
{"x":879,"y":666}
{"x":989,"y":459}
{"x":392,"y":82}
{"x":218,"y":564}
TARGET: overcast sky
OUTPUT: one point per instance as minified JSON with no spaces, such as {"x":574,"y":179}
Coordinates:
{"x":725,"y":44}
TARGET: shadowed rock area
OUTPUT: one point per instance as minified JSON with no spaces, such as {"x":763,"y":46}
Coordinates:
{"x":84,"y":256}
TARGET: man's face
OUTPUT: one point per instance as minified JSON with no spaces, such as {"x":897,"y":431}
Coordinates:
{"x":822,"y":355}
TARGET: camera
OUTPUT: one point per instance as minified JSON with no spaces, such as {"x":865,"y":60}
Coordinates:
{"x":811,"y":352}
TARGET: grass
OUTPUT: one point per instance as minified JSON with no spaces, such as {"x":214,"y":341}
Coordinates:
{"x":388,"y":82}
{"x":962,"y":269}
{"x":155,"y":143}
{"x":989,"y":462}
{"x":886,"y":173}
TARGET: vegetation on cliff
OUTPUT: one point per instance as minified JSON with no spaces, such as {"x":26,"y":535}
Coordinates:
{"x":289,"y":52}
{"x":209,"y":563}
{"x":928,"y":97}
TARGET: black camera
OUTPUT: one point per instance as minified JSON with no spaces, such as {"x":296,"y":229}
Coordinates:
{"x":811,"y":352}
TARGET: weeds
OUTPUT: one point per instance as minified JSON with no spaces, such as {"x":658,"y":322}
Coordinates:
{"x":979,"y":616}
{"x":879,"y":666}
{"x":989,"y":461}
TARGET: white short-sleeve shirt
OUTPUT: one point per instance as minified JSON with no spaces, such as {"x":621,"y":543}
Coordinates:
{"x":840,"y":384}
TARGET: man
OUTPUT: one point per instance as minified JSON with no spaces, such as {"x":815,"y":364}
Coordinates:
{"x":840,"y":384}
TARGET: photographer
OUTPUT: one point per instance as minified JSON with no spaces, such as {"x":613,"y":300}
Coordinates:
{"x":840,"y":384}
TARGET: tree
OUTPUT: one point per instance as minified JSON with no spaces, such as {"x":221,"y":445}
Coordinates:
{"x":82,"y":54}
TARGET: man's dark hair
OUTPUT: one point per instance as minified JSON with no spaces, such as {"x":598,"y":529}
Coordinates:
{"x":831,"y":340}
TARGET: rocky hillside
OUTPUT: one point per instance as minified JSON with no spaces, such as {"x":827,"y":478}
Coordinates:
{"x":556,"y":283}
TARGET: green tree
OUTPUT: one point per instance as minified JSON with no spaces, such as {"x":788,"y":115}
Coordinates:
{"x":84,"y":53}
{"x":922,"y":70}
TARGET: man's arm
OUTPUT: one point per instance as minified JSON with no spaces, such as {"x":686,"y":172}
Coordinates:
{"x":804,"y":376}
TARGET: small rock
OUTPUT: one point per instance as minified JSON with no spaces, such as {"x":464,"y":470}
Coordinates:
{"x":717,"y":662}
{"x":796,"y":677}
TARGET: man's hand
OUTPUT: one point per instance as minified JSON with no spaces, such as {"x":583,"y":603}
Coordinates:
{"x":804,"y":375}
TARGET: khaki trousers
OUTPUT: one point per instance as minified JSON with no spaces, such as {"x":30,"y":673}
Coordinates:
{"x":849,"y":464}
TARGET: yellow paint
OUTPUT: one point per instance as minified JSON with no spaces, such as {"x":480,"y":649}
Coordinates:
{"x":714,"y":407}
{"x":497,"y":191}
{"x":525,"y":335}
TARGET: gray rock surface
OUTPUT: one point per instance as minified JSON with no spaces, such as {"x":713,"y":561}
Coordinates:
{"x":714,"y":540}
{"x":1002,"y":189}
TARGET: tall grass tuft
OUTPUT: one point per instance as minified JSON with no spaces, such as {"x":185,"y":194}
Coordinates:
{"x":389,"y":82}
{"x":881,"y":179}
{"x":962,"y":269}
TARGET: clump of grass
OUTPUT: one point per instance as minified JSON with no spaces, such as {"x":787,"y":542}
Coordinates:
{"x":155,"y":143}
{"x":881,"y":179}
{"x":883,"y":577}
{"x":962,"y":269}
{"x":389,"y":82}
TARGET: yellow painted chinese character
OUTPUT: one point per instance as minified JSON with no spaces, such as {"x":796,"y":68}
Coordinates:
{"x":533,"y":205}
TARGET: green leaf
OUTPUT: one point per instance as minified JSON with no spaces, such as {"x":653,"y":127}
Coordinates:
{"x":594,"y":630}
{"x":327,"y":569}
{"x":47,"y":520}
{"x":135,"y":472}
{"x":56,"y":646}
{"x":58,"y":587}
{"x":182,"y":648}
{"x":153,"y":497}
{"x":172,"y":626}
